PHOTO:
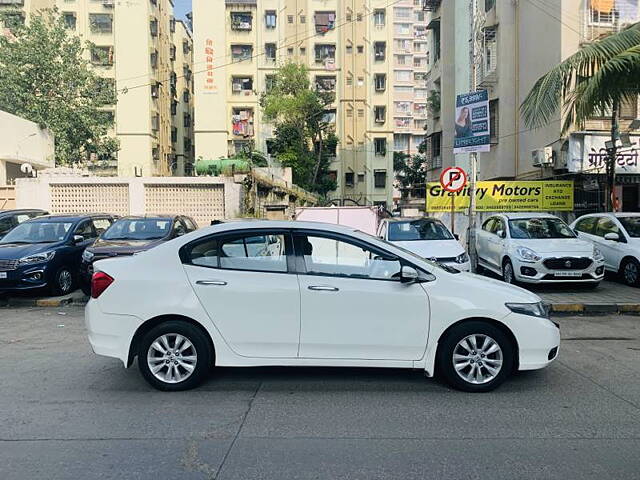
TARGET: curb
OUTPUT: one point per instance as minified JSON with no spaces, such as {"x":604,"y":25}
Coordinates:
{"x":52,"y":302}
{"x":595,"y":308}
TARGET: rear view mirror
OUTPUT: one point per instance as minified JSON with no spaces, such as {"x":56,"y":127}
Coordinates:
{"x":613,"y":236}
{"x":408,"y":274}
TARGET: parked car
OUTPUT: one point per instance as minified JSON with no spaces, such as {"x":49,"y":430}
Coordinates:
{"x":45,"y":252}
{"x":130,"y":235}
{"x":537,"y":248}
{"x":313,"y":294}
{"x":617,"y":236}
{"x":365,"y":219}
{"x":12,"y":218}
{"x":426,"y":237}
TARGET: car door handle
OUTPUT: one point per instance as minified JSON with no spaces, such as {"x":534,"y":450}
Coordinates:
{"x":220,"y":283}
{"x":323,"y":288}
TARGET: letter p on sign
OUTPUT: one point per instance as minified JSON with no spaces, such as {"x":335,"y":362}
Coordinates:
{"x":453,"y":179}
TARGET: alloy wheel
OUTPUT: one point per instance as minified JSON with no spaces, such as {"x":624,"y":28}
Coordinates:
{"x":507,"y":272}
{"x":65,"y":281}
{"x":172,"y":358}
{"x":631,"y":273}
{"x":477,"y":359}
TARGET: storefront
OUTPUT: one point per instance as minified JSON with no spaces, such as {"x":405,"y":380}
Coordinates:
{"x":587,"y":160}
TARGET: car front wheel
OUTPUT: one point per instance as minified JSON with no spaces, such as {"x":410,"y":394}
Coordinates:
{"x":63,"y":282}
{"x":630,"y":272}
{"x":174,"y":356}
{"x":475,"y":356}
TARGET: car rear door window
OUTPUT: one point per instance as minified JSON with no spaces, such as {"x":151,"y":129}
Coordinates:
{"x":256,"y":252}
{"x":334,"y":257}
{"x":6,"y":224}
{"x":85,"y":229}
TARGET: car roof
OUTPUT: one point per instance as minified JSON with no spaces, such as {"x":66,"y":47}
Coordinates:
{"x":71,"y":217}
{"x":408,"y":219}
{"x":21,"y":210}
{"x":515,"y":216}
{"x":249,"y":224}
{"x":151,"y":215}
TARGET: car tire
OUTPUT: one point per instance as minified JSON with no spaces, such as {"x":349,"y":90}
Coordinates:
{"x":63,"y":282}
{"x":462,"y":377}
{"x":163,"y":371}
{"x":630,"y":272}
{"x":508,"y":274}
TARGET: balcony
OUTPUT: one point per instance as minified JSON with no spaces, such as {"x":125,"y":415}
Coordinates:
{"x":241,"y":2}
{"x":241,"y":53}
{"x":242,"y":122}
{"x":326,"y":84}
{"x":431,"y":5}
{"x":325,"y":21}
{"x":241,"y":21}
{"x":242,"y":85}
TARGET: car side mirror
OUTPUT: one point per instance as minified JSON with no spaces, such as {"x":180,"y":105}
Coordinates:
{"x":408,"y":274}
{"x":78,"y":239}
{"x":613,"y":236}
{"x":456,"y":236}
{"x":501,"y":233}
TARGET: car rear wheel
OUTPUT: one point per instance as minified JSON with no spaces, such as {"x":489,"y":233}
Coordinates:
{"x":174,"y":356}
{"x":475,"y":356}
{"x":63,"y":282}
{"x":630,"y":272}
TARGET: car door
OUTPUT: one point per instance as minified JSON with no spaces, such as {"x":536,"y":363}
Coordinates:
{"x":612,"y":250}
{"x":247,"y":286}
{"x":482,"y":239}
{"x":353,"y":305}
{"x":496,"y":241}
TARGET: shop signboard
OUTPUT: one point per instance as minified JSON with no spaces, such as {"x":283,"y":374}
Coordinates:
{"x":588,"y":154}
{"x":472,"y":123}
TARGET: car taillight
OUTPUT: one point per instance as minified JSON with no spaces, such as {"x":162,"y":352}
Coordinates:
{"x":99,"y":283}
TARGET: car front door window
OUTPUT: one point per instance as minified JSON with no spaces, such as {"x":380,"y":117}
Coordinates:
{"x":332,"y":257}
{"x":85,"y":229}
{"x":606,"y":225}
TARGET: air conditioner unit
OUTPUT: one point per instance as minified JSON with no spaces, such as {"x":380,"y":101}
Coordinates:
{"x":542,"y":157}
{"x":236,"y":87}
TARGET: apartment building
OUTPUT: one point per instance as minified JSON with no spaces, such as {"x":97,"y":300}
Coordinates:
{"x":347,"y":46}
{"x":181,"y":54}
{"x":132,"y":47}
{"x":515,"y":43}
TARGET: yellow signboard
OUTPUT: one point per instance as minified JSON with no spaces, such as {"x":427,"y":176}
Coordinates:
{"x":504,"y":196}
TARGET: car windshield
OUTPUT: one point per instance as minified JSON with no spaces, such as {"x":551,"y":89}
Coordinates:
{"x":539,"y":228}
{"x":631,"y":225}
{"x":138,"y":229}
{"x":422,"y":229}
{"x":38,"y":232}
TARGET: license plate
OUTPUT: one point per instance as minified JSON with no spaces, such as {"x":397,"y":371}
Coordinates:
{"x":3,"y":274}
{"x":568,"y":274}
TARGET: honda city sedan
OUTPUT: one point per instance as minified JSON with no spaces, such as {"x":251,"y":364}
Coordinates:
{"x":259,"y":293}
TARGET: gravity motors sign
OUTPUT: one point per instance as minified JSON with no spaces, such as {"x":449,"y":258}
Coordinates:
{"x":504,"y":196}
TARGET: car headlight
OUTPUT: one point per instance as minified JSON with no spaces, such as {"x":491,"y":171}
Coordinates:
{"x":597,"y":255}
{"x":534,"y":309}
{"x":37,"y":258}
{"x":462,"y":258}
{"x":87,"y":256}
{"x":527,"y":255}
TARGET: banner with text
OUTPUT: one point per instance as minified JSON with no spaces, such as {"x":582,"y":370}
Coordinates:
{"x":472,"y":123}
{"x":504,"y":196}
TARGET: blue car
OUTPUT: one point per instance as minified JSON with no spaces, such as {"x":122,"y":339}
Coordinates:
{"x":45,"y":252}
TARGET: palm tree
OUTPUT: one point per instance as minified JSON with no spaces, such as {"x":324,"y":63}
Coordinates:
{"x":600,"y":76}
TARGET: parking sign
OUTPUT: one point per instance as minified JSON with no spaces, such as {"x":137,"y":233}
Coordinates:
{"x":453,"y":179}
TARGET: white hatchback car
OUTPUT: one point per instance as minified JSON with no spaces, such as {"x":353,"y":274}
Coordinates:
{"x":313,"y":294}
{"x":537,"y":248}
{"x":617,"y":236}
{"x":426,"y":237}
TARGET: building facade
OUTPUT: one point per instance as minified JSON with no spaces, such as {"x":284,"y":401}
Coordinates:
{"x":131,"y":44}
{"x":181,"y":53}
{"x":515,"y":43}
{"x":348,"y":46}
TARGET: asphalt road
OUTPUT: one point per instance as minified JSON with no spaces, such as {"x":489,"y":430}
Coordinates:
{"x":67,"y":414}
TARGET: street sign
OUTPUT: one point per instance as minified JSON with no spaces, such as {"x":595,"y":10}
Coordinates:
{"x":453,"y":179}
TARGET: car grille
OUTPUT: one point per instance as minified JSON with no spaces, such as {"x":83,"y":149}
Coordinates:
{"x":6,"y":265}
{"x":442,"y":259}
{"x":567,"y":263}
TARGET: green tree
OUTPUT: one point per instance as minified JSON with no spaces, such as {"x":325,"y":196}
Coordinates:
{"x":598,"y":77}
{"x":304,"y":139}
{"x":44,"y":78}
{"x":410,"y":170}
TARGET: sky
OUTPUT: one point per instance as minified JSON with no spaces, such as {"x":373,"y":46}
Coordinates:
{"x":182,"y":7}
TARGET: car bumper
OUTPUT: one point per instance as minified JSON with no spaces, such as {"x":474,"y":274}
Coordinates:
{"x":463,"y":267}
{"x":26,"y":278}
{"x":537,"y":272}
{"x":110,"y":335}
{"x":538,"y":340}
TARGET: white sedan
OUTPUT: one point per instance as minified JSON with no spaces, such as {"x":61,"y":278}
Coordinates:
{"x":537,"y":248}
{"x":617,"y":236}
{"x":302,"y":294}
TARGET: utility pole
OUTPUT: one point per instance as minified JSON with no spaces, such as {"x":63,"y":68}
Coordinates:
{"x":473,"y":156}
{"x":612,"y":154}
